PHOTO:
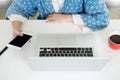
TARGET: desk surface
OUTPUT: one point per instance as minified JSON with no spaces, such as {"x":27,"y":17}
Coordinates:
{"x":13,"y":65}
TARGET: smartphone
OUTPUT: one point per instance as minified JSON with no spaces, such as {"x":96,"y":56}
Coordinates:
{"x":19,"y":41}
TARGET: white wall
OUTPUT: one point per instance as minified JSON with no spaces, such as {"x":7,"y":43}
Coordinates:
{"x":5,"y":3}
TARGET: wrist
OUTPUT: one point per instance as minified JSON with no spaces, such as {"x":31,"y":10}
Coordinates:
{"x":17,"y":24}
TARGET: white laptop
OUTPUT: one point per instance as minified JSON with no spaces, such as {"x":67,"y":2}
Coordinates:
{"x":67,"y":52}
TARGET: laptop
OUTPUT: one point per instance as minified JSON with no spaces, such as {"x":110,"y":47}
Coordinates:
{"x":66,"y":52}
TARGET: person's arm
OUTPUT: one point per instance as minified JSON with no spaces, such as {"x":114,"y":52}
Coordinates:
{"x":19,"y":10}
{"x":23,"y":8}
{"x":17,"y":22}
{"x":96,"y":16}
{"x":17,"y":28}
{"x":59,"y":18}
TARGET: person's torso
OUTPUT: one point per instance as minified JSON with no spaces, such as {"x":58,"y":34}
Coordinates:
{"x":45,"y":7}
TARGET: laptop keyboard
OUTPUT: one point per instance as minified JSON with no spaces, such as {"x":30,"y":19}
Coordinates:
{"x":66,"y":52}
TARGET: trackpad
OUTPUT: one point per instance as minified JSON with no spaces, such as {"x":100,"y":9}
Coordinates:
{"x":65,"y":40}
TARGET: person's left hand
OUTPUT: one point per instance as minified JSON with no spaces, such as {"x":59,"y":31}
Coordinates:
{"x":59,"y":18}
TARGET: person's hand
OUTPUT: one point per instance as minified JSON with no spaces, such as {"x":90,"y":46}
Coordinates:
{"x":17,"y":31}
{"x":17,"y":28}
{"x":59,"y":18}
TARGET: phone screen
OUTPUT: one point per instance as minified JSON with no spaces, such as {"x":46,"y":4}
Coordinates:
{"x":19,"y":41}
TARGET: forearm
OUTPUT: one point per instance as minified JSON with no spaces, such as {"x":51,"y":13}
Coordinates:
{"x":17,"y":28}
{"x":97,"y":21}
{"x":69,"y":18}
{"x":17,"y":24}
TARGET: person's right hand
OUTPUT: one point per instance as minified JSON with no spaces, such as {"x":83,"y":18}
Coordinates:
{"x":17,"y":31}
{"x":17,"y":28}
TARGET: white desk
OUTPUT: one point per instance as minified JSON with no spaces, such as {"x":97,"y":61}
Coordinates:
{"x":13,"y":65}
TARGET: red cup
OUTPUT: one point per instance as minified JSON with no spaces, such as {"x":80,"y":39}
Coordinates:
{"x":114,"y":41}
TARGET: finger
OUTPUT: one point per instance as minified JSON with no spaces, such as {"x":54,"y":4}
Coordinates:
{"x":50,"y":19}
{"x":51,"y":16}
{"x":18,"y":32}
{"x":15,"y":35}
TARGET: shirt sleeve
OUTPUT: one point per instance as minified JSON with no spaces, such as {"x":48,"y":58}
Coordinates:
{"x":25,"y":8}
{"x":96,"y":15}
{"x":77,"y":19}
{"x":20,"y":18}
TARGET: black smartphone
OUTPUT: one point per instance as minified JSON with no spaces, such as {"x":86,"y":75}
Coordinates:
{"x":19,"y":41}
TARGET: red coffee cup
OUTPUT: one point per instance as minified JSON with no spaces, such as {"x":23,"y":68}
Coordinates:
{"x":114,"y":41}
